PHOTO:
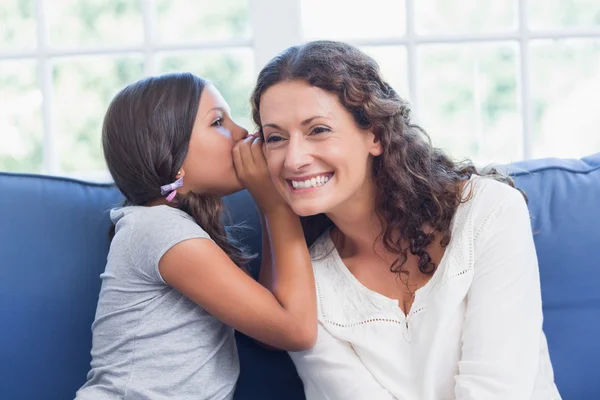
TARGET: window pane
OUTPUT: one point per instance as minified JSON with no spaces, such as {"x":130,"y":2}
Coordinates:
{"x":468,"y":16}
{"x":20,"y":117}
{"x":17,"y":25}
{"x":553,"y":14}
{"x":184,"y":21}
{"x":231,"y":71}
{"x":83,"y":89}
{"x":392,"y":61}
{"x":468,"y":100}
{"x":565,"y":86}
{"x":342,"y":19}
{"x":96,"y":22}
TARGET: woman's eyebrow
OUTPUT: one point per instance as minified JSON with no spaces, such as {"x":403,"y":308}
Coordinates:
{"x":303,"y":123}
{"x":309,"y":120}
{"x":271,"y":126}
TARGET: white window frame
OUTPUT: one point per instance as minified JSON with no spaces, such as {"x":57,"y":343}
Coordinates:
{"x":264,"y":44}
{"x":276,"y":24}
{"x":522,"y":36}
{"x":291,"y":33}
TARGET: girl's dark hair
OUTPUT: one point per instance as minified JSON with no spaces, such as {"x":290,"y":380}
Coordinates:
{"x":417,"y":185}
{"x":145,"y":136}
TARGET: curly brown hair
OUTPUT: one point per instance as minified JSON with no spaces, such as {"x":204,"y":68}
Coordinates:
{"x":417,"y":185}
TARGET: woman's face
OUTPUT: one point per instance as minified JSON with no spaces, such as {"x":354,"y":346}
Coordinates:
{"x":208,"y":166}
{"x":318,"y":157}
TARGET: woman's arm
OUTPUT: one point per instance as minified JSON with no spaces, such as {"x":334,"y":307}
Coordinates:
{"x":503,"y":322}
{"x":285,"y":318}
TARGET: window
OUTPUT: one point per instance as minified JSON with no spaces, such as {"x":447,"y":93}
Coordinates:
{"x":495,"y":82}
{"x":62,"y":61}
{"x":491,"y":81}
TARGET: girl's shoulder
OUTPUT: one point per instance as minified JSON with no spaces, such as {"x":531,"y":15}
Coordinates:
{"x":151,"y":219}
{"x":154,"y":227}
{"x":144,"y":234}
{"x":130,"y":214}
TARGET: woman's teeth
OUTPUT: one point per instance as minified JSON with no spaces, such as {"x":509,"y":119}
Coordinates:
{"x":314,"y":182}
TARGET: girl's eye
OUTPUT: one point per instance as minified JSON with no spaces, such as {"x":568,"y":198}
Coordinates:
{"x":320,"y":129}
{"x":218,"y":122}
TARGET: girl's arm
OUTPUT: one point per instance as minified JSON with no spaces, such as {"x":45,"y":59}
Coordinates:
{"x":266,"y":261}
{"x":285,"y":318}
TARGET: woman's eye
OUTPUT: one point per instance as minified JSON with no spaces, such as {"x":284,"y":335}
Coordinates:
{"x":218,"y":122}
{"x":274,"y":139}
{"x":320,"y":129}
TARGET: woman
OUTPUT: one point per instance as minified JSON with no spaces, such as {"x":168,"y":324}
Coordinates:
{"x":426,"y":273}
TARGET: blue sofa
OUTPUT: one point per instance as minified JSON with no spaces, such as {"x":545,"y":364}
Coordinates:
{"x":54,"y":241}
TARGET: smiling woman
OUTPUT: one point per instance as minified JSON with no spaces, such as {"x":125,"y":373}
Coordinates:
{"x":426,"y":272}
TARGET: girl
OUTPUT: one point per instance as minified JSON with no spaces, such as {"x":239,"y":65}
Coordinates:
{"x":426,"y":272}
{"x":174,"y":288}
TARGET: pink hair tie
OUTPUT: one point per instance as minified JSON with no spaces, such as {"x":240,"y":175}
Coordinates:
{"x":171,"y":189}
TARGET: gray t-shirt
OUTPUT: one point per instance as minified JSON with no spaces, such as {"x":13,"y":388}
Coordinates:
{"x":150,"y":341}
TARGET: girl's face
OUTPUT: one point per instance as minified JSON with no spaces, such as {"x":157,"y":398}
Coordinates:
{"x":208,"y":166}
{"x":319,"y":159}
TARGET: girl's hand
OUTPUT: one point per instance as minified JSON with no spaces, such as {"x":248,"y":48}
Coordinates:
{"x":251,"y":167}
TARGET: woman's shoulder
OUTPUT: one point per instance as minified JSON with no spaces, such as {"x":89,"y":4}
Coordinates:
{"x":488,"y":189}
{"x":483,"y":196}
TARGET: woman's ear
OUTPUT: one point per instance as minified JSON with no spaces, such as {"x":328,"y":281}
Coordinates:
{"x":375,"y":148}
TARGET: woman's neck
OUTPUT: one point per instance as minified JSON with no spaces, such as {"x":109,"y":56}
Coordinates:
{"x":357,"y":226}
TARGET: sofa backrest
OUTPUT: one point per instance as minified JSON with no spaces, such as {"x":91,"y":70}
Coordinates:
{"x":564,"y":203}
{"x":54,"y":241}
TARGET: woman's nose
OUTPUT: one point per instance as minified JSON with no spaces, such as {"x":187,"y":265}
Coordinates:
{"x":297,"y":155}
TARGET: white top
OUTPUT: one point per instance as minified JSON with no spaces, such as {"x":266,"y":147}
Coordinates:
{"x":474,"y":330}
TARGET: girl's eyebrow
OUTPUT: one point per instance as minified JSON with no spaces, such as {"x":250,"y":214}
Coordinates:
{"x":218,"y":108}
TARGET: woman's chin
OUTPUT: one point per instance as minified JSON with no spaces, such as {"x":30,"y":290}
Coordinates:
{"x":306,"y":210}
